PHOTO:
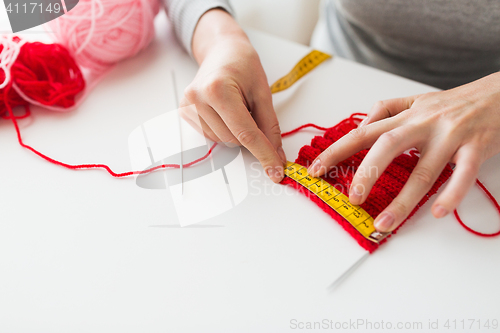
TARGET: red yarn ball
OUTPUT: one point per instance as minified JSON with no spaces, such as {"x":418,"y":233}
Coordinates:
{"x":48,"y":74}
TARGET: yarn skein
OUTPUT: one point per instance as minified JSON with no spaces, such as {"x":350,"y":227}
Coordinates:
{"x":99,"y":34}
{"x":44,"y":73}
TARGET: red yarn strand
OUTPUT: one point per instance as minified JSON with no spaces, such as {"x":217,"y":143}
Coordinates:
{"x":93,"y":166}
{"x":495,"y":203}
{"x":301,"y":128}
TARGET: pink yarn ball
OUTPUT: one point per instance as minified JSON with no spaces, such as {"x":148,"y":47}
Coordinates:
{"x":101,"y":33}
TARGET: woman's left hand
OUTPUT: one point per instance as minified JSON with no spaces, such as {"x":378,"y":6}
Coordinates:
{"x":461,"y":126}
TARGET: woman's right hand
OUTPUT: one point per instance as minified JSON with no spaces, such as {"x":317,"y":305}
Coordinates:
{"x":231,"y":93}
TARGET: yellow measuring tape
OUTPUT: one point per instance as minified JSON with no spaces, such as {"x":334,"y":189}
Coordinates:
{"x":304,"y":66}
{"x":355,"y":215}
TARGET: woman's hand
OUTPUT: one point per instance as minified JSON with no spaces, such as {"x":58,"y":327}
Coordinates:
{"x":461,"y":126}
{"x":231,"y":94}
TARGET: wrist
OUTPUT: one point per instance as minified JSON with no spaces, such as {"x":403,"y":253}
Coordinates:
{"x":214,"y":28}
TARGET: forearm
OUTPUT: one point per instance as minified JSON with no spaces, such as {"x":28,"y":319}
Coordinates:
{"x":185,"y":14}
{"x":216,"y":26}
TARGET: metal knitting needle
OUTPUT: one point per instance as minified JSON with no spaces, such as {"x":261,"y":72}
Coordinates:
{"x":174,"y":83}
{"x":351,"y":269}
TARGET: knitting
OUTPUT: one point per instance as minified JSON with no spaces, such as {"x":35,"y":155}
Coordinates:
{"x":385,"y":189}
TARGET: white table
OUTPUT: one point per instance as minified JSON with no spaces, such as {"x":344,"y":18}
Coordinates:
{"x":83,"y":252}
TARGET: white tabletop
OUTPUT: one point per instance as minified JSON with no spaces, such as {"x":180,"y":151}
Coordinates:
{"x":83,"y":252}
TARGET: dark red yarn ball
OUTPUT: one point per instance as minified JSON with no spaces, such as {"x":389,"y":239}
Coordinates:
{"x":45,"y":73}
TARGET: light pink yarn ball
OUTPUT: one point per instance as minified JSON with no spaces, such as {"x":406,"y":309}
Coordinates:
{"x":101,"y":33}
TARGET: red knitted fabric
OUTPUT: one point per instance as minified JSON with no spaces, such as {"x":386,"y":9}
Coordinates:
{"x":386,"y":188}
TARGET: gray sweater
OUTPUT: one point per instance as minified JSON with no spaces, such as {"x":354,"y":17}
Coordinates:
{"x":444,"y":43}
{"x":184,"y":14}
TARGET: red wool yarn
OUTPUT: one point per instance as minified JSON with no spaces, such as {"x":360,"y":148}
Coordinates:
{"x":45,"y":73}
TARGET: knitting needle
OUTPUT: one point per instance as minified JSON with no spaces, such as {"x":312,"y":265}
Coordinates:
{"x":174,"y":83}
{"x":351,"y":269}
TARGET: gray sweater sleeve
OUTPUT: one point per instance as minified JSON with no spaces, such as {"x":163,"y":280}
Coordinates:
{"x":184,"y":15}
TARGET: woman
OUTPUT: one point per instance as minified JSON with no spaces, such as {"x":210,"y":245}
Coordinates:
{"x":451,"y":44}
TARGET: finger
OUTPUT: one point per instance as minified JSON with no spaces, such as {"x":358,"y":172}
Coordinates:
{"x":388,"y":146}
{"x":189,"y":113}
{"x":266,"y":119}
{"x":213,"y":121}
{"x":388,"y":108}
{"x":197,"y":122}
{"x":468,"y":162}
{"x":235,"y":115}
{"x":427,"y":170}
{"x":217,"y":125}
{"x":351,"y":143}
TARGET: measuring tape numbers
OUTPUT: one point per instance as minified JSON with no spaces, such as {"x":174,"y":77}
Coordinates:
{"x":304,"y":66}
{"x":338,"y":201}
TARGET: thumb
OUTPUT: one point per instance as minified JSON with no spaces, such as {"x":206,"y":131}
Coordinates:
{"x":388,"y":108}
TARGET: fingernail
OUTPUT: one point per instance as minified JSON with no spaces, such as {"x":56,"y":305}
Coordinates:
{"x":384,"y":222}
{"x":440,"y":211}
{"x":274,"y":174}
{"x":231,"y":145}
{"x":363,"y":122}
{"x":281,"y":153}
{"x":315,"y":167}
{"x":355,"y":195}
